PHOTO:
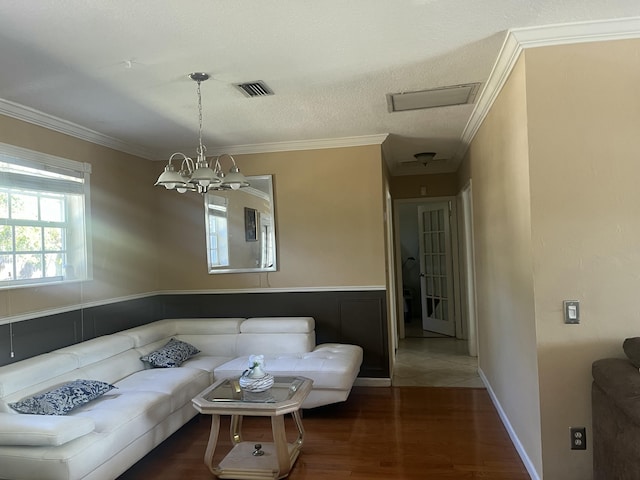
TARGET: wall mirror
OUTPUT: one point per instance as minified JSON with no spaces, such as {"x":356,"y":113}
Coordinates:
{"x":241,"y":228}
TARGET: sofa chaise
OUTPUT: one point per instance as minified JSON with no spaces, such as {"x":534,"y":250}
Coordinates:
{"x":142,"y":406}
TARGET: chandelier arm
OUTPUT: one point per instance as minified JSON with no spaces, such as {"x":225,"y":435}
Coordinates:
{"x":217,"y":167}
{"x":177,"y":153}
{"x":227,"y":155}
{"x":189,"y":163}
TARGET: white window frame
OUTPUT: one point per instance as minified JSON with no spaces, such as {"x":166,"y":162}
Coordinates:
{"x":23,"y":157}
{"x":216,"y":209}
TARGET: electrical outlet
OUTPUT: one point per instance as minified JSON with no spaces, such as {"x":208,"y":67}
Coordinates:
{"x":578,"y":438}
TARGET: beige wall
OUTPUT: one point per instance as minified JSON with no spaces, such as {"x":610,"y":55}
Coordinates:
{"x":584,"y":115}
{"x":499,"y":167}
{"x":435,"y":185}
{"x":123,"y":249}
{"x":556,"y":205}
{"x":329,"y":222}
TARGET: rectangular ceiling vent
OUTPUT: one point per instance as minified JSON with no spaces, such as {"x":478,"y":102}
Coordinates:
{"x":254,"y":89}
{"x":437,"y":97}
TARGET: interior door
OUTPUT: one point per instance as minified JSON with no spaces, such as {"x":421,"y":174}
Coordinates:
{"x":436,"y":269}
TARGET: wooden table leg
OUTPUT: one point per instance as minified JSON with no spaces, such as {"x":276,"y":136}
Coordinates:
{"x":213,"y":440}
{"x":280,"y":444}
{"x":297,"y":418}
{"x":235,"y":429}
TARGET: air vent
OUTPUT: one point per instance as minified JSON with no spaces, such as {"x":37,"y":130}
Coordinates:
{"x":254,"y":89}
{"x":437,"y":97}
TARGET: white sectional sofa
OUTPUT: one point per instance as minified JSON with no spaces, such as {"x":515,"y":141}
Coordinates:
{"x":103,"y":438}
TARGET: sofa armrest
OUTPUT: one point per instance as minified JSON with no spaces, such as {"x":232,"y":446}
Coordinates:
{"x":338,"y":360}
{"x":619,"y":380}
{"x":42,"y":430}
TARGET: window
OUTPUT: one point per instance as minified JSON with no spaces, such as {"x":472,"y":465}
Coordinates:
{"x":217,"y":234}
{"x":43,"y":218}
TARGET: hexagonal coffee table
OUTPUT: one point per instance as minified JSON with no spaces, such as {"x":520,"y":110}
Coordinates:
{"x":250,"y":460}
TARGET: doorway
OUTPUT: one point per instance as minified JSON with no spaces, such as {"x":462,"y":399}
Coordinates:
{"x":426,"y":246}
{"x":433,"y":353}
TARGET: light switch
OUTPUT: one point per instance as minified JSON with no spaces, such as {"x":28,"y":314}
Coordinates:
{"x":571,"y":311}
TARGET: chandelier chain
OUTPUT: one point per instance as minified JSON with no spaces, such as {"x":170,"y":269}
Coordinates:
{"x":201,"y":148}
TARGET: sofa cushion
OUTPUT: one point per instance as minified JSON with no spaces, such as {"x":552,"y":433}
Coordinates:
{"x":631,"y":347}
{"x":137,"y":411}
{"x":331,"y":366}
{"x":97,"y":349}
{"x":171,"y":355}
{"x":278,"y":325}
{"x":164,"y":329}
{"x":28,"y":376}
{"x":38,"y":430}
{"x":63,"y":399}
{"x":180,"y":385}
{"x":207,"y":363}
{"x":276,"y":335}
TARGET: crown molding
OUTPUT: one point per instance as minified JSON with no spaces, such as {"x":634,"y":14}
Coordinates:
{"x":520,"y":39}
{"x":579,"y":32}
{"x":36,"y":117}
{"x":516,"y":40}
{"x":296,"y":145}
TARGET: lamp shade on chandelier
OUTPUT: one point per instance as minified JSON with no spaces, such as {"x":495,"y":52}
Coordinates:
{"x":201,"y":175}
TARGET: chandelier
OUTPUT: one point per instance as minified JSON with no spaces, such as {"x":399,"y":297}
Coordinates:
{"x":200,"y":175}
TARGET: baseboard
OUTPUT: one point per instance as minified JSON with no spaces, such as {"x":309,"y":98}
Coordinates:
{"x":512,"y":434}
{"x":372,"y":382}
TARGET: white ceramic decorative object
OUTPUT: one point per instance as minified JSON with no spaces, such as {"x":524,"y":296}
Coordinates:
{"x":254,"y":378}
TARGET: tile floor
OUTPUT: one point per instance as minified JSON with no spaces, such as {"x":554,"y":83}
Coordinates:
{"x":435,"y":361}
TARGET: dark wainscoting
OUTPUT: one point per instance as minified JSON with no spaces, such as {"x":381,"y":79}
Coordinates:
{"x":44,"y":334}
{"x":357,"y":317}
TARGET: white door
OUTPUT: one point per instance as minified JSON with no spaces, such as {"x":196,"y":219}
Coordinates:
{"x":436,"y":269}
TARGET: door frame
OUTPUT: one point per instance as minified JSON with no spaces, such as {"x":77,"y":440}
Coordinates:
{"x":454,"y":253}
{"x":467,"y":267}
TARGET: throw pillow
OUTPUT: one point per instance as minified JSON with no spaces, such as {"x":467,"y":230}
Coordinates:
{"x":62,"y":399}
{"x":171,"y":355}
{"x":631,"y":347}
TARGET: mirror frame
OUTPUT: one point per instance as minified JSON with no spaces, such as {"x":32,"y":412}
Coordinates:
{"x":252,"y":216}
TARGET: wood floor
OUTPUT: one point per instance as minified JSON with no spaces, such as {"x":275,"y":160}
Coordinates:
{"x":379,"y":433}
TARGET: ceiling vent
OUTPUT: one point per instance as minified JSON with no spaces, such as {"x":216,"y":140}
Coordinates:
{"x":437,"y":97}
{"x":254,"y":89}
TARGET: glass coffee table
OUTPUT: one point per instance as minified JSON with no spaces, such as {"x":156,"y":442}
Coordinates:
{"x":251,"y":460}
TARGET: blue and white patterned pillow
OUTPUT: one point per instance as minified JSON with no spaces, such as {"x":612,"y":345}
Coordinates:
{"x":62,"y":399}
{"x":171,"y":355}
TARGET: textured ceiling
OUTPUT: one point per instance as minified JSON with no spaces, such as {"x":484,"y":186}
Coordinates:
{"x":119,"y":67}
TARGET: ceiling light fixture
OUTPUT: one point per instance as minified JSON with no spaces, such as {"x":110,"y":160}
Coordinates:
{"x":425,"y":157}
{"x":200,"y":175}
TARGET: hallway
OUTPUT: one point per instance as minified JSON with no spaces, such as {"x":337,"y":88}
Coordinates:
{"x":435,"y":362}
